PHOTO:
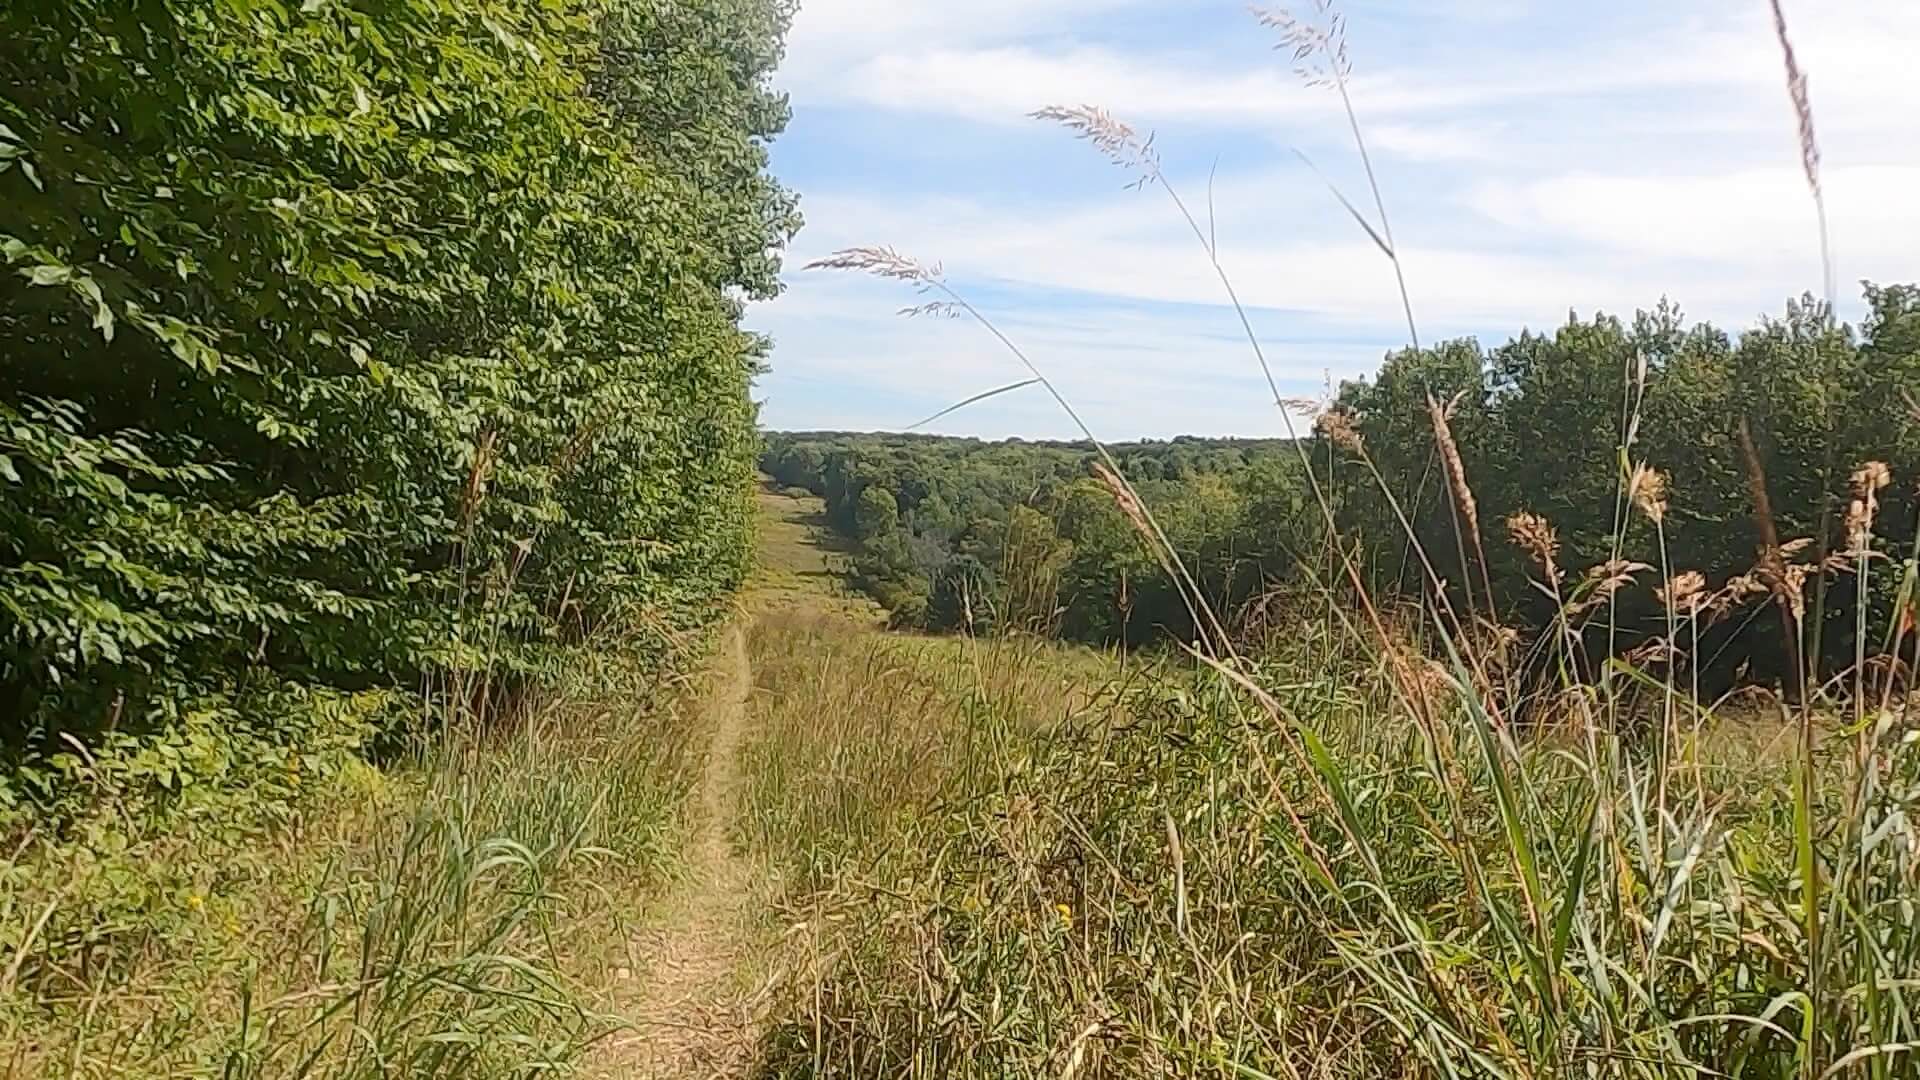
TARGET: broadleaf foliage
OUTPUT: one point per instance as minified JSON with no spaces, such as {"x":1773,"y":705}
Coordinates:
{"x":364,"y":346}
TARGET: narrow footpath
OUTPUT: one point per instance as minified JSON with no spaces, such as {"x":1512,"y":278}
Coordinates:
{"x":690,"y":1016}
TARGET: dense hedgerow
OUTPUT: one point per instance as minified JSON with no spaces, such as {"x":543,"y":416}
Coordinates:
{"x":359,"y":354}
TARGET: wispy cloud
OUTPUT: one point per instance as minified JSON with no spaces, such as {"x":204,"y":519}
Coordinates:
{"x":1537,"y":161}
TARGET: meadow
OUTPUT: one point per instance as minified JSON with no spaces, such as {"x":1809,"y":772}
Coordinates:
{"x":444,"y":695}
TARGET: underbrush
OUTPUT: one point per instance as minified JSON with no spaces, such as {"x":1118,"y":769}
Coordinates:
{"x":1177,"y":883}
{"x":451,"y":917}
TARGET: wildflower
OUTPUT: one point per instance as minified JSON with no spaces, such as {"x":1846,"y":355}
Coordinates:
{"x":1066,"y":913}
{"x":195,"y":901}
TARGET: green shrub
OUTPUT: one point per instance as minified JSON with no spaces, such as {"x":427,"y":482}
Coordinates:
{"x":361,"y":347}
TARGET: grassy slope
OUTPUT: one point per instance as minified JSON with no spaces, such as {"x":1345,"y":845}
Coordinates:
{"x":1008,"y":859}
{"x":868,"y":746}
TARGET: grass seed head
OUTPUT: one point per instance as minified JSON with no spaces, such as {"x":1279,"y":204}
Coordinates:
{"x":883,"y":262}
{"x":1534,"y":535}
{"x":1871,"y":477}
{"x":1338,"y":426}
{"x":1647,"y":488}
{"x":1441,"y":416}
{"x":1115,"y":139}
{"x":1868,"y":481}
{"x":1686,"y":593}
{"x":1318,"y":42}
{"x":1802,"y":102}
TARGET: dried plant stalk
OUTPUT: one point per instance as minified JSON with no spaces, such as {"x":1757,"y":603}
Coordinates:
{"x":1771,"y":569}
{"x":1457,"y":477}
{"x":1809,"y":145}
{"x":1534,"y":535}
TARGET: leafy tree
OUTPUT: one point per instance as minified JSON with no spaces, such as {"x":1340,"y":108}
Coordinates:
{"x":1538,"y":424}
{"x":962,"y":597}
{"x":875,"y":515}
{"x":354,"y":350}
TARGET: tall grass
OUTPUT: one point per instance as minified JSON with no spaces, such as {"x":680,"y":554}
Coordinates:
{"x":1179,"y":885}
{"x":858,"y":731}
{"x":454,"y":918}
{"x":1352,"y":853}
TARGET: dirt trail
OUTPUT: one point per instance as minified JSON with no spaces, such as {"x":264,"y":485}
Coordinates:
{"x":693,"y":1014}
{"x":690,"y":1016}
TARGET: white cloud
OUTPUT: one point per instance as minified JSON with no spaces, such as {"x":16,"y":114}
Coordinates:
{"x":946,"y":60}
{"x":1003,"y":84}
{"x":1535,"y":160}
{"x":1752,"y":225}
{"x":828,"y":36}
{"x":1728,"y":246}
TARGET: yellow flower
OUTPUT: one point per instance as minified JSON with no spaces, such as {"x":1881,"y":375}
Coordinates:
{"x":1066,"y":913}
{"x":194,"y":901}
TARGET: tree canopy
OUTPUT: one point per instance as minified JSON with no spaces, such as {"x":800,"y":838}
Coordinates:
{"x":1538,"y":425}
{"x":359,"y":350}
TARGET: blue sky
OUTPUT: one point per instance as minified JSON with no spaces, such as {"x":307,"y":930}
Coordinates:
{"x":1535,"y":157}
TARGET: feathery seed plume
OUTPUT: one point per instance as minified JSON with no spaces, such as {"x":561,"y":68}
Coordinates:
{"x":1647,"y":489}
{"x":1115,"y":139}
{"x":1319,"y":44}
{"x":1809,"y":145}
{"x":880,"y":262}
{"x":1450,"y":456}
{"x":1534,"y":535}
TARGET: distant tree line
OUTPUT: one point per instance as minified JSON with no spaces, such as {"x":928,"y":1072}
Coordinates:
{"x":958,"y":532}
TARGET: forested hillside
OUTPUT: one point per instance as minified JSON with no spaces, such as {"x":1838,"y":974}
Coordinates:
{"x":362,"y":360}
{"x":957,"y":533}
{"x":1027,"y":534}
